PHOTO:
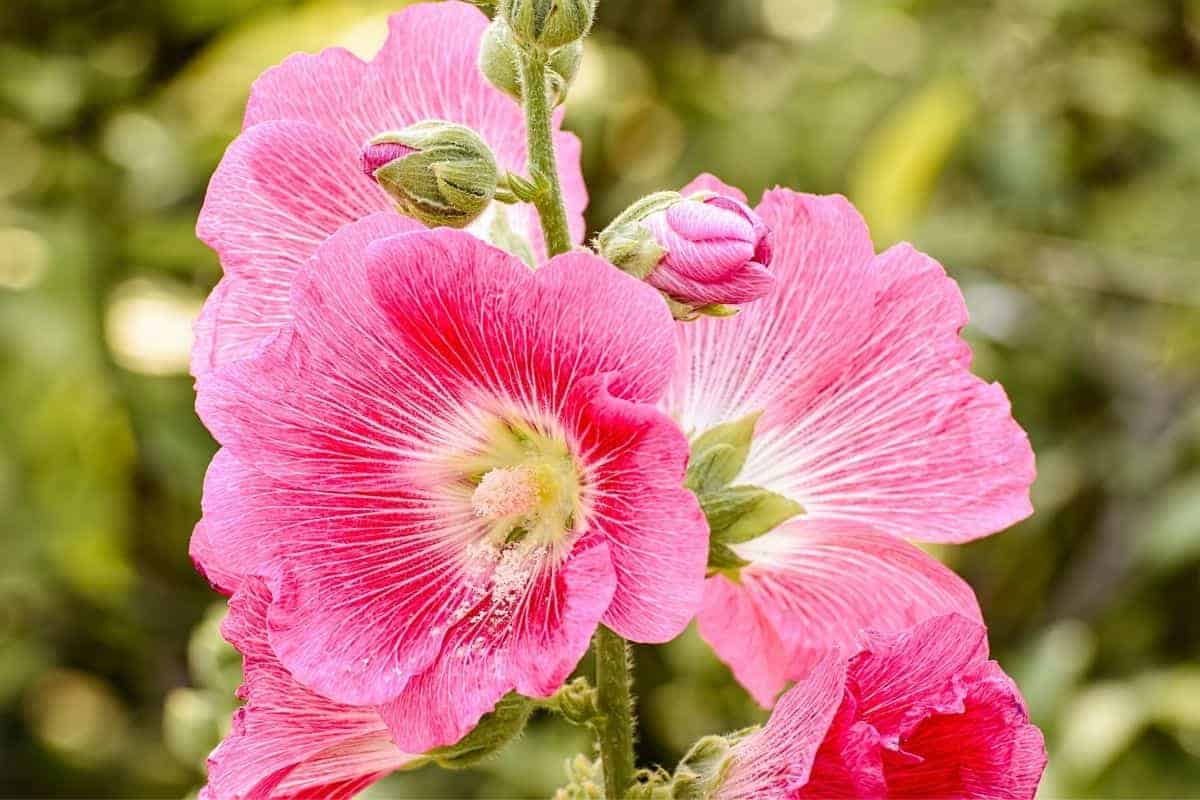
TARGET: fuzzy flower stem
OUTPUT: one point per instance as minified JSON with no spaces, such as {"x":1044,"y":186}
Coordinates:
{"x":542,"y":162}
{"x":614,"y":684}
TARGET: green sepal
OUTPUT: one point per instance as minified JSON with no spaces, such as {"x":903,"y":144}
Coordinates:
{"x":740,"y":513}
{"x":497,"y":728}
{"x":719,"y":310}
{"x":714,"y":468}
{"x":522,"y":188}
{"x":719,"y":454}
{"x":723,"y":560}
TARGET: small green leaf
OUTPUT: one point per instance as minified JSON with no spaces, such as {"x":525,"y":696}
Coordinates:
{"x":497,"y":728}
{"x":711,"y":470}
{"x":721,"y":558}
{"x":741,"y":513}
{"x":707,"y":473}
{"x":718,"y":310}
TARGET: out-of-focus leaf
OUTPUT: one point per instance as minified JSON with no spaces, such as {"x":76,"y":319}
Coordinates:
{"x":898,"y":167}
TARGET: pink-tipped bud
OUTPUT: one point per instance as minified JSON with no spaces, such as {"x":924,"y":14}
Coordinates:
{"x":377,"y":156}
{"x":706,"y":253}
{"x":717,"y":252}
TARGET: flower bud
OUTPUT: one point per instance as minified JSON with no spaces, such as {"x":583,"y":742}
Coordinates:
{"x":706,"y":252}
{"x":499,"y":61}
{"x":437,"y":172}
{"x":548,"y":23}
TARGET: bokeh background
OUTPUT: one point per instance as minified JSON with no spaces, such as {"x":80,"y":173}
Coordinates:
{"x":1047,"y":151}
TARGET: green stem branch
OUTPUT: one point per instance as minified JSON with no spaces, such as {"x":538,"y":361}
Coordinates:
{"x":543,"y":165}
{"x":615,"y":698}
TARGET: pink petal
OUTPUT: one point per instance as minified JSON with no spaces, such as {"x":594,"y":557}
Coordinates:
{"x":988,"y":750}
{"x":711,"y":183}
{"x":474,"y":314}
{"x":334,"y":297}
{"x":281,"y":190}
{"x":773,"y":762}
{"x":246,"y":514}
{"x":658,"y":535}
{"x":314,"y":89}
{"x":813,"y":587}
{"x":208,"y":562}
{"x":288,"y":742}
{"x":849,"y":762}
{"x":901,"y":678}
{"x":871,"y":413}
{"x":532,"y":649}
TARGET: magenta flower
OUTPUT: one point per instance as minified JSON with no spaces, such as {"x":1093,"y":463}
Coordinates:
{"x":449,"y":469}
{"x":288,"y":742}
{"x":294,"y":176}
{"x":716,"y":251}
{"x":921,"y":714}
{"x":871,"y":420}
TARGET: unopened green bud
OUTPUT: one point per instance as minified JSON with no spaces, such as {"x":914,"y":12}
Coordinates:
{"x":499,"y":61}
{"x":497,"y":728}
{"x":438,"y":172}
{"x":549,"y":24}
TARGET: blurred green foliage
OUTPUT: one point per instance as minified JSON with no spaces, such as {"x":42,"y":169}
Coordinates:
{"x":1047,"y":151}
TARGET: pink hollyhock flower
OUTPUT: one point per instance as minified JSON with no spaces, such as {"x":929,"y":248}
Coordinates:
{"x":716,"y":251}
{"x":288,"y":742}
{"x":871,"y":420}
{"x":294,"y":176}
{"x":921,"y":714}
{"x":449,"y":469}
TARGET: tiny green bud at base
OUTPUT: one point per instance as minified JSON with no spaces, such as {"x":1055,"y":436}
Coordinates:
{"x":437,"y":172}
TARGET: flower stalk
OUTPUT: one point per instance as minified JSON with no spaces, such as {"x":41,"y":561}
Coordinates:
{"x":614,"y":684}
{"x":543,"y":164}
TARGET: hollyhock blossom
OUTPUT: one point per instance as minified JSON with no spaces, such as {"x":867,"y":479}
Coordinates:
{"x":870,"y":419}
{"x":449,"y":469}
{"x":716,"y":250}
{"x":920,"y":714}
{"x":288,"y":742}
{"x":294,"y":175}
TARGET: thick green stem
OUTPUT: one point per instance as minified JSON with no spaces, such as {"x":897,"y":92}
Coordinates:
{"x":543,"y":165}
{"x":614,"y":683}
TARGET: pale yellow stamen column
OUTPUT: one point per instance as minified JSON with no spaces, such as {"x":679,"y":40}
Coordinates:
{"x":506,"y":492}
